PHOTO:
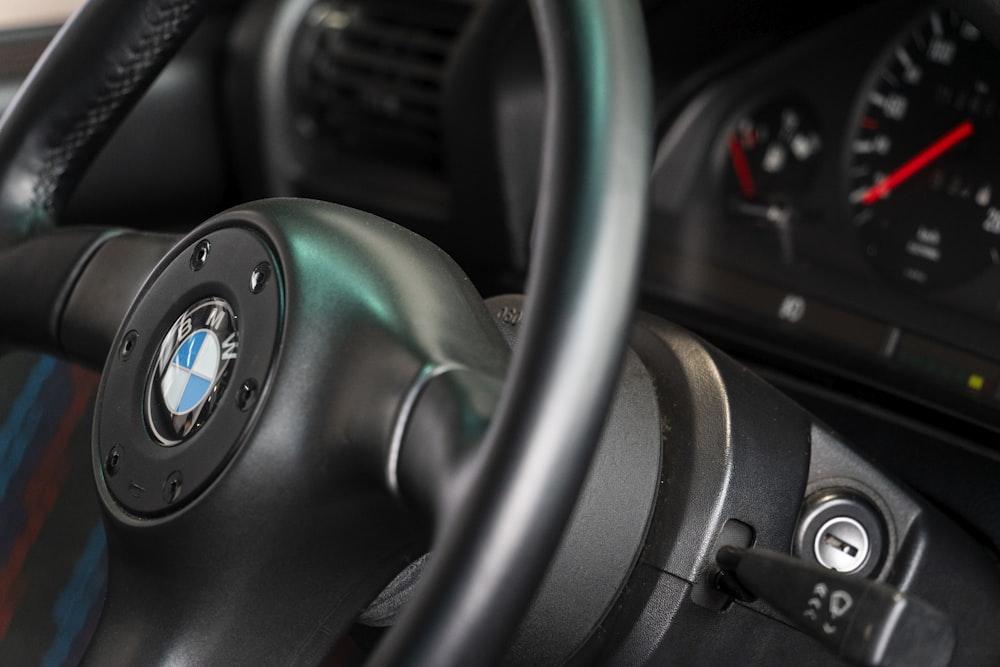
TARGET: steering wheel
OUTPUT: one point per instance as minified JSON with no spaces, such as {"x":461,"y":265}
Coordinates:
{"x":297,"y":389}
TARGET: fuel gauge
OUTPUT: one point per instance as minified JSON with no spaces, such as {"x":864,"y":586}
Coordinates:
{"x":773,"y":153}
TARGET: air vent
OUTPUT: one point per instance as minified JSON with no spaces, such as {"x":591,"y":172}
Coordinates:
{"x":373,"y":76}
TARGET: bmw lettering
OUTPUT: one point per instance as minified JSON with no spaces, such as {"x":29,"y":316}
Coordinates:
{"x":191,"y":370}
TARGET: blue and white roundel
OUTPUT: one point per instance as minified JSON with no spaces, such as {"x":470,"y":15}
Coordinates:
{"x":191,"y":373}
{"x":191,"y":370}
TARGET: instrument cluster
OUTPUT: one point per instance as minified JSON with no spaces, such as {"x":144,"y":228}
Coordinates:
{"x":838,"y":196}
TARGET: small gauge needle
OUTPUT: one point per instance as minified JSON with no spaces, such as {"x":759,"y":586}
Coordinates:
{"x":917,"y":162}
{"x":743,"y":174}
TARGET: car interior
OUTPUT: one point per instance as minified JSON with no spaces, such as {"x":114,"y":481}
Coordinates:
{"x":450,"y":332}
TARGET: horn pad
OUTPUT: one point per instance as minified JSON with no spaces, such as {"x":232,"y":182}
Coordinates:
{"x":187,"y":370}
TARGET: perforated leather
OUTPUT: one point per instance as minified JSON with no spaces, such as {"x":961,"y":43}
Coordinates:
{"x":77,"y":97}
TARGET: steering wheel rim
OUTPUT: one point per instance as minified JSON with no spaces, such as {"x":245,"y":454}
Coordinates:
{"x":581,"y":292}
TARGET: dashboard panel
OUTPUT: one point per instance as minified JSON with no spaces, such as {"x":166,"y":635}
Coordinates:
{"x":781,"y":281}
{"x":823,"y":196}
{"x":787,"y":137}
{"x":775,"y":270}
{"x":828,"y":200}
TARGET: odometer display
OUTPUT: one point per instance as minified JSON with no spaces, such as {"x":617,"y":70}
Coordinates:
{"x":924,"y":160}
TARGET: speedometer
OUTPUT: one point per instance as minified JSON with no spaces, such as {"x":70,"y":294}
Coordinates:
{"x":924,"y":160}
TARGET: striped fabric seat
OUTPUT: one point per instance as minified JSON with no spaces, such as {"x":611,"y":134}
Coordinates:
{"x":53,"y":565}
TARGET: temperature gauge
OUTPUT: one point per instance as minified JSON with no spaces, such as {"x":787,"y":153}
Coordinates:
{"x":773,"y":153}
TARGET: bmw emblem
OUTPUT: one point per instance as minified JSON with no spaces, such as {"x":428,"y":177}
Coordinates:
{"x":191,"y":370}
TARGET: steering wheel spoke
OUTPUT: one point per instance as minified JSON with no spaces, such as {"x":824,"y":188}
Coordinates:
{"x":234,"y":580}
{"x":438,"y":438}
{"x":257,"y":449}
{"x":70,"y":288}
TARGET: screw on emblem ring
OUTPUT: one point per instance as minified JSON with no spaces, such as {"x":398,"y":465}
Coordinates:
{"x":200,"y":255}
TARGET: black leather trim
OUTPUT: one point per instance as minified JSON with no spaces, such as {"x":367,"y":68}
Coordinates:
{"x":92,"y":74}
{"x":30,"y":316}
{"x":502,"y":529}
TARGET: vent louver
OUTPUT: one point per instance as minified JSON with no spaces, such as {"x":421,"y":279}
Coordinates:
{"x":374,"y":73}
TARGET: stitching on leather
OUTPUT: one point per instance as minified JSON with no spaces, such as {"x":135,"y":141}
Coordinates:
{"x":164,"y":23}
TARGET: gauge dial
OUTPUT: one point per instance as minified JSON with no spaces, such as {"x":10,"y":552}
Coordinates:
{"x":773,"y":152}
{"x":922,"y":167}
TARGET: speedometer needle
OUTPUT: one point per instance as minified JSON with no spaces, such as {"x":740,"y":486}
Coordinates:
{"x":916,"y":163}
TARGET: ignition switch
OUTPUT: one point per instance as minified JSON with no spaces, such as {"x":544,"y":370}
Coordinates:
{"x":842,"y":531}
{"x":842,"y":544}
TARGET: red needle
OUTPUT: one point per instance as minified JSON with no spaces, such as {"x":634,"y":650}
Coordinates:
{"x":739,"y":159}
{"x":916,"y":163}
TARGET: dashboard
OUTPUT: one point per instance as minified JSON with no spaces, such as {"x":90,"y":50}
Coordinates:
{"x":837,"y":194}
{"x":823,"y":205}
{"x":824,"y":197}
{"x":821,"y":192}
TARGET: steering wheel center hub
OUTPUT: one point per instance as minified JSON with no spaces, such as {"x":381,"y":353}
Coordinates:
{"x":166,"y":424}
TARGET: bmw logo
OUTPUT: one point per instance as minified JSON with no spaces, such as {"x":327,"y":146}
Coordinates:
{"x":191,"y":370}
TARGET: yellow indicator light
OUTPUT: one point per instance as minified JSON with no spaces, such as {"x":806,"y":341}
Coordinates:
{"x":976,"y":382}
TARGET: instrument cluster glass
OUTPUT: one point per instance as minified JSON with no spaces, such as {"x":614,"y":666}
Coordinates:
{"x":922,"y":167}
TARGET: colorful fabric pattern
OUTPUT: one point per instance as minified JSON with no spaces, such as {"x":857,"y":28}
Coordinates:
{"x":53,"y":561}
